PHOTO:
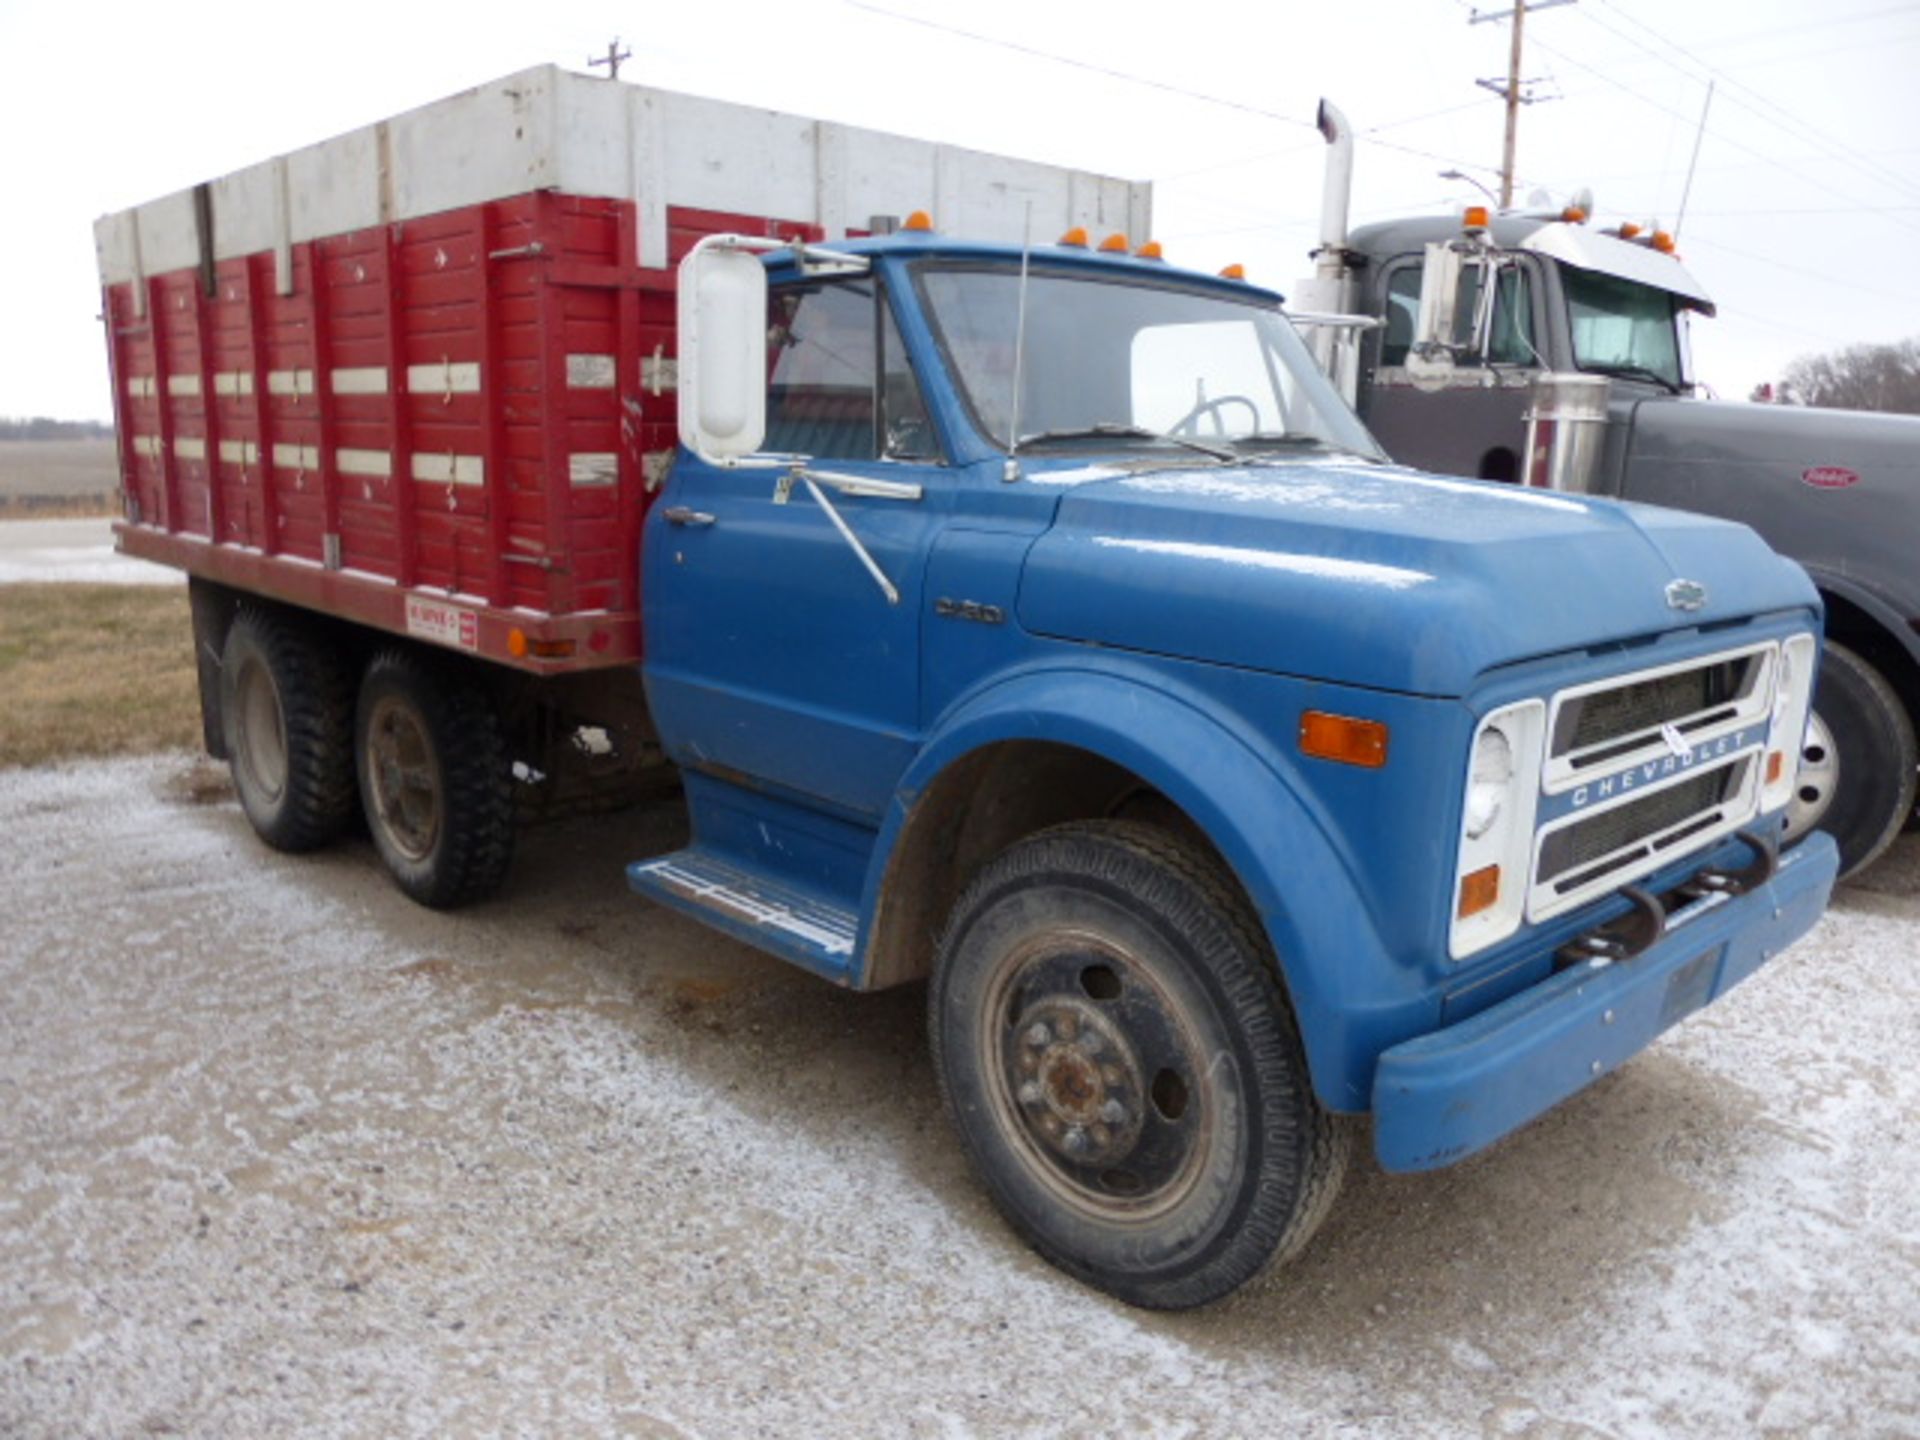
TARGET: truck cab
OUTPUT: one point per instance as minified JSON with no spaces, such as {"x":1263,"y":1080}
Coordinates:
{"x":1041,"y":624}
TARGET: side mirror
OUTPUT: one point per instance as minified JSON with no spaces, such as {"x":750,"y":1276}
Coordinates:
{"x":1433,"y":330}
{"x":723,"y":352}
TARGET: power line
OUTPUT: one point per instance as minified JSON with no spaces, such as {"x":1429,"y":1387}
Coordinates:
{"x":1166,"y":87}
{"x":1720,"y":136}
{"x":1791,"y":123}
{"x":1087,"y":65}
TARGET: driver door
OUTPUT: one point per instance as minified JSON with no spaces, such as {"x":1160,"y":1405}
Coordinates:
{"x":773,"y":655}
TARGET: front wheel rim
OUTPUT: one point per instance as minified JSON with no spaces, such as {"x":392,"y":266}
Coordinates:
{"x":1818,"y":780}
{"x":403,"y":778}
{"x":1095,"y":1077}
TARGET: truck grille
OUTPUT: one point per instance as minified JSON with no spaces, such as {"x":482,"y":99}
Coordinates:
{"x":1642,"y":768}
{"x":1598,"y":725}
{"x":1593,"y":849}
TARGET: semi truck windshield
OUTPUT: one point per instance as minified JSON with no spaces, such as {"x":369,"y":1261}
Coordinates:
{"x":1622,"y":328}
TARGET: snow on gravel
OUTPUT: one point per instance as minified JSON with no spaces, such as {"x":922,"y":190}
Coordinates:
{"x":73,"y":551}
{"x":281,"y":1153}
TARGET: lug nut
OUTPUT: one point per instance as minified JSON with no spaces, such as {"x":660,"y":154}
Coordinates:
{"x":1075,"y":1141}
{"x":1039,"y":1035}
{"x":1030,"y":1093}
{"x":1092,"y":1041}
{"x":1114,"y":1113}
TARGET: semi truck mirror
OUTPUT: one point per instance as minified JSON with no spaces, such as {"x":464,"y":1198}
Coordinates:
{"x":1433,"y":329}
{"x":723,"y":352}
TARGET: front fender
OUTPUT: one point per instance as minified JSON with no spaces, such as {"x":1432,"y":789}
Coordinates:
{"x":1243,"y":795}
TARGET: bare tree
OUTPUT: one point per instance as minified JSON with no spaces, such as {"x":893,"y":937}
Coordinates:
{"x":1860,"y":377}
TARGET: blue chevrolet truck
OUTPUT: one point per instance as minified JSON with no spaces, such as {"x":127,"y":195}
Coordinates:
{"x":1036,"y":622}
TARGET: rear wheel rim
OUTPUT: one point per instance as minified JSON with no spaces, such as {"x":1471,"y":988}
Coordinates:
{"x":1095,"y":1076}
{"x":1818,"y":782}
{"x":404,"y":779}
{"x":262,"y":750}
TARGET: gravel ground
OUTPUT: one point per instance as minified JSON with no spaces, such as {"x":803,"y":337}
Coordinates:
{"x":282,"y":1154}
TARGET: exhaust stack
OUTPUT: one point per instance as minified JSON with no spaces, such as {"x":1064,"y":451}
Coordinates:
{"x":1337,"y":188}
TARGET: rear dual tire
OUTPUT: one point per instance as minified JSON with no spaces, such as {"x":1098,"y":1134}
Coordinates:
{"x":435,"y":780}
{"x":286,"y":711}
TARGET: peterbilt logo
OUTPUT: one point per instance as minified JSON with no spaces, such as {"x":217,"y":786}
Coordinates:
{"x":1686,"y":594}
{"x":1650,"y":772}
{"x":1830,"y":477}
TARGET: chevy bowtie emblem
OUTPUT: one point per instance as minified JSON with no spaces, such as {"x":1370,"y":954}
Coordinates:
{"x":1686,"y":594}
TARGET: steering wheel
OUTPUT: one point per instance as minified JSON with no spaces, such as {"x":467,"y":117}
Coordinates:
{"x":1188,"y":424}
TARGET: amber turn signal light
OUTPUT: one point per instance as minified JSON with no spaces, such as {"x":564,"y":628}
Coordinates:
{"x":1343,"y":739}
{"x":1479,"y":891}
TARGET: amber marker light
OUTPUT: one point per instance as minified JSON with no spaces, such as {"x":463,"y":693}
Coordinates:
{"x":1076,"y":237}
{"x":1776,"y":767}
{"x":517,"y":643}
{"x":1627,"y":230}
{"x":1476,"y":217}
{"x":1574,"y":215}
{"x":552,"y":649}
{"x":1114,"y":244}
{"x":919,"y":220}
{"x":1150,"y":251}
{"x":1479,"y":891}
{"x":1343,"y":739}
{"x":1235,"y":271}
{"x":1662,"y":241}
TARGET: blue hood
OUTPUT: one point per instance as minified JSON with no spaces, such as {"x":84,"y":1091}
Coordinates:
{"x":1377,"y":576}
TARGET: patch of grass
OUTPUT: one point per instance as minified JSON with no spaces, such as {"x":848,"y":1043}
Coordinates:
{"x":93,"y":670}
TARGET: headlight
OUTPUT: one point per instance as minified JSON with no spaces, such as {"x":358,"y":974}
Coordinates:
{"x":1488,"y":780}
{"x":1496,"y":826}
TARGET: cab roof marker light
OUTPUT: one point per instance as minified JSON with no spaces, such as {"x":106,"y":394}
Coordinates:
{"x":1076,"y":238}
{"x":1150,"y":251}
{"x":1661,"y":241}
{"x":919,"y":221}
{"x":1235,"y":271}
{"x":1627,"y":230}
{"x":1476,"y":217}
{"x":1114,"y":244}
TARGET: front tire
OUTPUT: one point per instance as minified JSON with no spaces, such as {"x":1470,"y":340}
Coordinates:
{"x":286,"y":714}
{"x":1126,"y":1076}
{"x":434,"y":781}
{"x":1857,"y":769}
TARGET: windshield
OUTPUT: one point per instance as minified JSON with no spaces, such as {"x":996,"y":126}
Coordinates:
{"x":1119,"y":362}
{"x":1622,"y":328}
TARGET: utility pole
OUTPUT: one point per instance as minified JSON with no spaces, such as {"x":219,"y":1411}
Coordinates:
{"x":1513,"y":90}
{"x":612,"y":59}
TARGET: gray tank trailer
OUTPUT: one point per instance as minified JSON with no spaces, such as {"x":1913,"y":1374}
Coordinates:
{"x":1534,"y":349}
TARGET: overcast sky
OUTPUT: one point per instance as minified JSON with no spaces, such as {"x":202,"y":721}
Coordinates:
{"x":1803,"y":220}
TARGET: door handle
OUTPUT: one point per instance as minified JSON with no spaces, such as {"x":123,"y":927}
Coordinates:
{"x":681,"y":515}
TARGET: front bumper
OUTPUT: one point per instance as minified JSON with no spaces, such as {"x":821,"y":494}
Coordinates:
{"x":1444,"y":1095}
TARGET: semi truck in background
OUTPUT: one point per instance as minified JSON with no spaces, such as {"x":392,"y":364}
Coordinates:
{"x":1031,"y":621}
{"x":1532,"y":347}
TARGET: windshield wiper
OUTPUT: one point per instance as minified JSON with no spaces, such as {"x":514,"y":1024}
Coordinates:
{"x":1108,"y":429}
{"x":1635,"y":372}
